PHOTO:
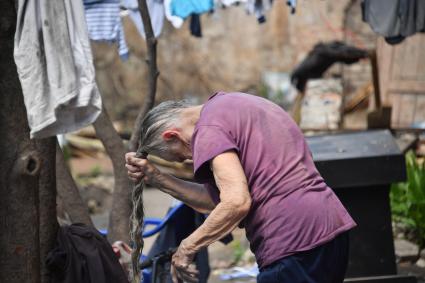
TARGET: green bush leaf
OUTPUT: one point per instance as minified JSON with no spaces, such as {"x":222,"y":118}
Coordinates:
{"x":408,"y":198}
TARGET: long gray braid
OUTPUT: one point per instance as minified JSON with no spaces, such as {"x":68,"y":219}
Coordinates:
{"x":137,"y":220}
{"x":157,"y":120}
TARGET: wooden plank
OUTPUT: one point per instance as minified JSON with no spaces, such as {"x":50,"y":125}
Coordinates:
{"x":420,"y":109}
{"x":421,"y":59}
{"x":407,"y":108}
{"x":395,"y":102}
{"x":397,"y":60}
{"x":409,"y":86}
{"x":402,"y":79}
{"x":385,"y":55}
{"x":408,"y":61}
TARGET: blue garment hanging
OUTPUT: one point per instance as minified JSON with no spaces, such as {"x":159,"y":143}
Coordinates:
{"x":184,"y":8}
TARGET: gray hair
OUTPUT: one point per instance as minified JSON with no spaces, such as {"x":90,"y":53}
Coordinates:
{"x":160,"y":118}
{"x":157,"y":120}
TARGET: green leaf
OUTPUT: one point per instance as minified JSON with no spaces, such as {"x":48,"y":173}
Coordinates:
{"x":408,"y":198}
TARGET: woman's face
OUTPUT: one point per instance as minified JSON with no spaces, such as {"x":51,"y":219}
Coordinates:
{"x":178,"y":151}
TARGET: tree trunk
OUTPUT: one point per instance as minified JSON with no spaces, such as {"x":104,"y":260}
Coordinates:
{"x":151,"y":43}
{"x":119,"y":219}
{"x":27,"y":176}
{"x":46,"y":148}
{"x":68,"y":192}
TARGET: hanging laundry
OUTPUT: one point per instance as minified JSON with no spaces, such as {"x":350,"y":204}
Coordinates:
{"x":104,"y":23}
{"x":258,"y":8}
{"x":292,"y":5}
{"x":232,"y":2}
{"x":321,"y":58}
{"x":195,"y":25}
{"x":55,"y":67}
{"x":177,"y":22}
{"x":156,"y":12}
{"x":184,"y":8}
{"x":395,"y":19}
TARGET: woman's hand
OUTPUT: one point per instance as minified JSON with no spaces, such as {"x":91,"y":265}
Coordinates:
{"x":182,"y":267}
{"x":139,"y":169}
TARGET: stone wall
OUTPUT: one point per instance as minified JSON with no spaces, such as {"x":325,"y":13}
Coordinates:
{"x":231,"y":55}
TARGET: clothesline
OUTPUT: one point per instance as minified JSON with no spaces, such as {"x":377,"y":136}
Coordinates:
{"x":104,"y":22}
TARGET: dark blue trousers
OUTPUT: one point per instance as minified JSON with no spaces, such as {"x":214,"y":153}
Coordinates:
{"x":324,"y":264}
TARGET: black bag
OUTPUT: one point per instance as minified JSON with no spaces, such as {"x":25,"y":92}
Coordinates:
{"x":83,"y":255}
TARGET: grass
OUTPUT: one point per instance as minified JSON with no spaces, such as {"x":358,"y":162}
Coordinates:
{"x":408,"y":199}
{"x":238,"y":251}
{"x":95,"y":171}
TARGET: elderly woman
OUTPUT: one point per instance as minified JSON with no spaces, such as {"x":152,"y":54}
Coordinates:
{"x":253,"y":169}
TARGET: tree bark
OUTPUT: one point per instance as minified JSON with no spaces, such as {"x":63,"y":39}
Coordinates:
{"x":46,"y":148}
{"x":27,"y":176}
{"x":119,"y":220}
{"x":68,"y":192}
{"x":151,"y":43}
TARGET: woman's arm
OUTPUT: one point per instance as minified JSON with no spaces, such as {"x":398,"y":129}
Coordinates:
{"x":193,"y":194}
{"x":235,"y":203}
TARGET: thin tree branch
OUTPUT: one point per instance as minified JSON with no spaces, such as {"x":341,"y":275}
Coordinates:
{"x":151,"y":43}
{"x":68,"y":192}
{"x":119,"y":220}
{"x":120,"y":213}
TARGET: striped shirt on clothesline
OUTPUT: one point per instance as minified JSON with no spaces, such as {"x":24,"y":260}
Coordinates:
{"x":104,"y":23}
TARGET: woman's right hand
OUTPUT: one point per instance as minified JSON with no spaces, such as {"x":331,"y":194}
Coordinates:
{"x":139,"y":168}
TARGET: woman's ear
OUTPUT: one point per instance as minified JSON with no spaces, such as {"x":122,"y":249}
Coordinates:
{"x":169,"y":135}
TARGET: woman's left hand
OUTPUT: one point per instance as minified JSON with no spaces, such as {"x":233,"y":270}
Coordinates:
{"x":182,"y":266}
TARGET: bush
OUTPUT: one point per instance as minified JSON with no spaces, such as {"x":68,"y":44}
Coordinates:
{"x":408,"y":199}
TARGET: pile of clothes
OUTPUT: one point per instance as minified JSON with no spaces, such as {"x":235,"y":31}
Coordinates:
{"x":82,"y":254}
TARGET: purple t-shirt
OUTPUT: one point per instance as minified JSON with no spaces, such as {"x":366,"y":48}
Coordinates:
{"x":292,"y":208}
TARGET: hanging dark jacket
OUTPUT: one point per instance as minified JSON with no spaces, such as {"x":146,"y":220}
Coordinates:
{"x":321,"y":58}
{"x":82,"y":255}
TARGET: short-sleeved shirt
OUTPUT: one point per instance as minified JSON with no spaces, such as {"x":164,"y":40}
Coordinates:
{"x":292,"y":208}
